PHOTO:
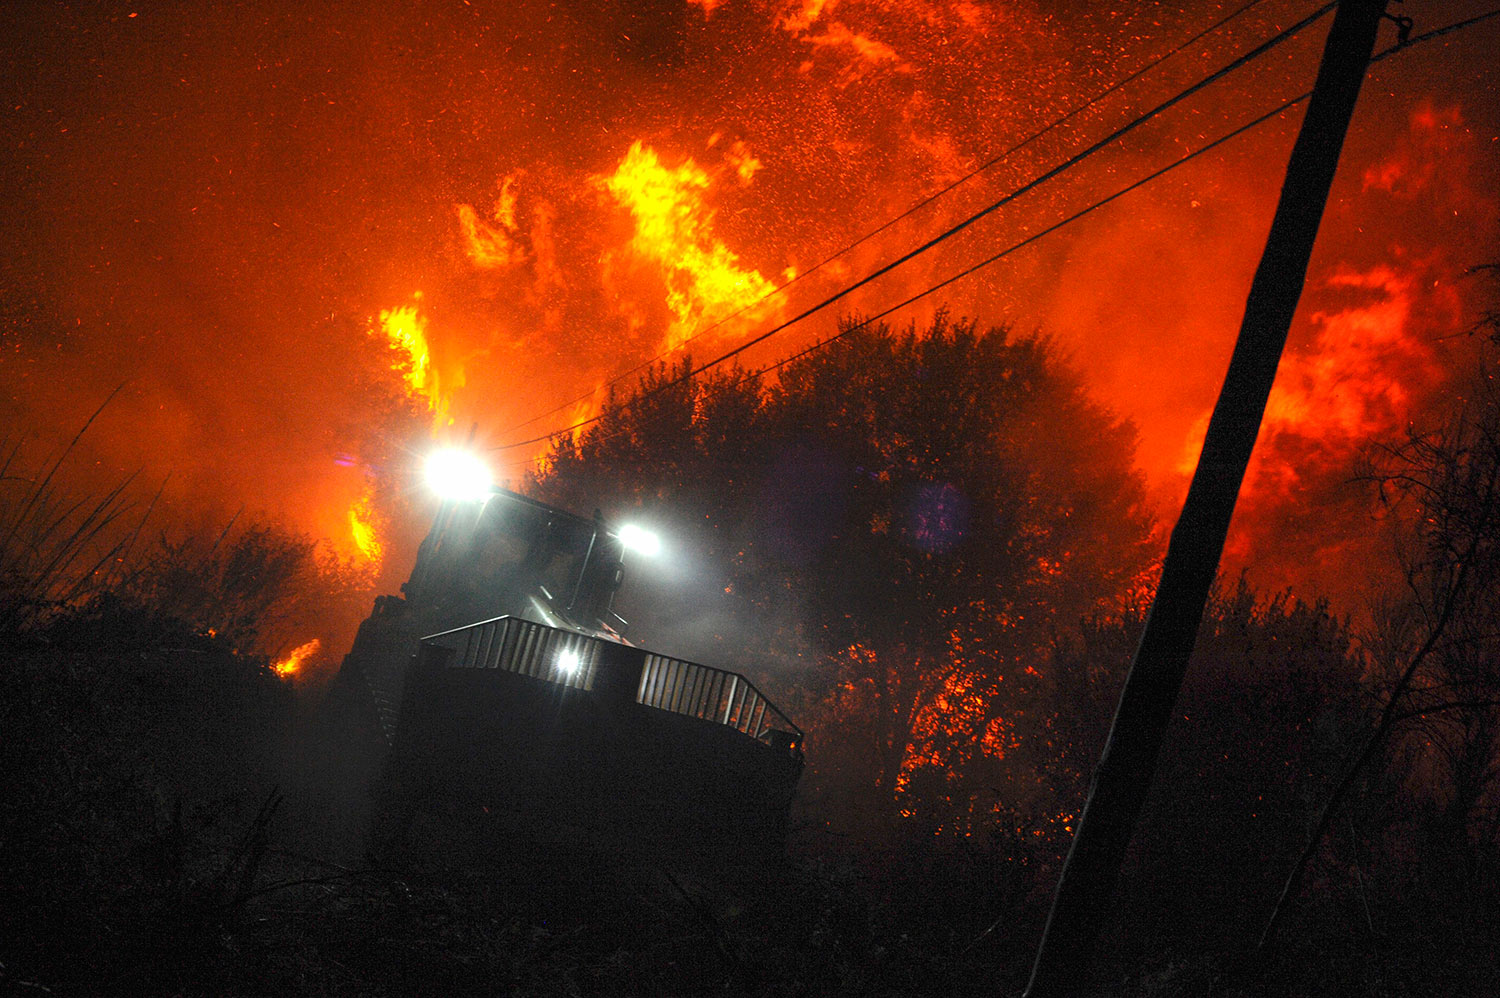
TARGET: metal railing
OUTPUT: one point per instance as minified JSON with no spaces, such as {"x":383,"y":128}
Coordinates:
{"x":701,"y":691}
{"x":575,"y":660}
{"x":521,"y":646}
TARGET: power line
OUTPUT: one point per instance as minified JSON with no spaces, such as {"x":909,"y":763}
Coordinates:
{"x":1428,"y":36}
{"x":1228,"y":136}
{"x":862,"y":323}
{"x":1281,"y":108}
{"x":972,"y":268}
{"x":913,"y":209}
{"x":964,"y":224}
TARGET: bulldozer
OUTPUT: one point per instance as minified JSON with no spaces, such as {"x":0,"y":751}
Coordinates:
{"x":497,"y":691}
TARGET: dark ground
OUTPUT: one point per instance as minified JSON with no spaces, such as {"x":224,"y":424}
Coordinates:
{"x":154,"y":840}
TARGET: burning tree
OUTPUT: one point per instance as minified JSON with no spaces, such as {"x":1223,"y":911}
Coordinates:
{"x":915,"y":511}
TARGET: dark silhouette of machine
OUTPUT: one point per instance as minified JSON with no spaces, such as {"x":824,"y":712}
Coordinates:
{"x":498,"y":685}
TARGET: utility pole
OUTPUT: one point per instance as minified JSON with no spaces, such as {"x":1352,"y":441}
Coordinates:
{"x":1128,"y":762}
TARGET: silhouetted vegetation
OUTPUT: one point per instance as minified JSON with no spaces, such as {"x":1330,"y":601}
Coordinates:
{"x":915,"y":548}
{"x":916,"y":512}
{"x":930,"y":547}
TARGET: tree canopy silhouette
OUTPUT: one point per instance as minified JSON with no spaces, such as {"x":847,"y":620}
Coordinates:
{"x":916,"y":511}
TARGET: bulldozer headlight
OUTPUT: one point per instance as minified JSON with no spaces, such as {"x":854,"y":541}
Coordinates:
{"x":459,"y":475}
{"x":639,"y":539}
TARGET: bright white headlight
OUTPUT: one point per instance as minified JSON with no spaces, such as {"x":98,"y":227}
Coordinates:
{"x":458,"y":474}
{"x":639,"y":539}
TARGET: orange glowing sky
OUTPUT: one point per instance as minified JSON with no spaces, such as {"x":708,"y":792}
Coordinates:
{"x":251,"y":216}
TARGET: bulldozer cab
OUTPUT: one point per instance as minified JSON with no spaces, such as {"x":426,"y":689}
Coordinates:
{"x":513,"y":555}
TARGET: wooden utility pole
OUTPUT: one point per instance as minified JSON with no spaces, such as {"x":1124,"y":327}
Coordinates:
{"x":1125,"y":769}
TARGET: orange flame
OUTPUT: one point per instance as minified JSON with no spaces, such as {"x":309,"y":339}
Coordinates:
{"x":858,"y":51}
{"x":363,"y":523}
{"x":1355,"y":382}
{"x":291,"y":665}
{"x":745,"y":165}
{"x":675,"y":229}
{"x":803,"y":17}
{"x":405,"y":330}
{"x":492,"y":244}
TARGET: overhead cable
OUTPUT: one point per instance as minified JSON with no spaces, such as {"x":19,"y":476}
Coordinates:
{"x":967,"y":271}
{"x":969,"y":221}
{"x":1242,"y":129}
{"x":913,"y":209}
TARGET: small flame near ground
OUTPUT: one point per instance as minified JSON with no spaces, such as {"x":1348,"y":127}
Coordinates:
{"x":291,"y":665}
